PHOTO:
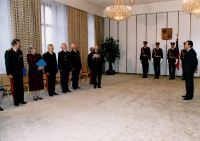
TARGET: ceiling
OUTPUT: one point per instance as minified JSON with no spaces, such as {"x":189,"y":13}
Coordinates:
{"x":105,"y":3}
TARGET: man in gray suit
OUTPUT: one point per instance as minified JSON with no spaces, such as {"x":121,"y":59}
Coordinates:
{"x":189,"y":67}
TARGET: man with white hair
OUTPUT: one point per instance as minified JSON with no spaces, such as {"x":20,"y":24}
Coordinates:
{"x":50,"y":69}
{"x":76,"y":65}
{"x":64,"y":67}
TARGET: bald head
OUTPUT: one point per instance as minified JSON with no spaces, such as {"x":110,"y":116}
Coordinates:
{"x":96,"y":47}
{"x":63,"y":46}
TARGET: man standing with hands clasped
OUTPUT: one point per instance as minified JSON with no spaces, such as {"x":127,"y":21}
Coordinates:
{"x":97,"y":61}
{"x":189,"y":67}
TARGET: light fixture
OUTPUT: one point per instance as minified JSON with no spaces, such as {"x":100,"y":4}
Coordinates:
{"x":191,"y":7}
{"x":119,"y":11}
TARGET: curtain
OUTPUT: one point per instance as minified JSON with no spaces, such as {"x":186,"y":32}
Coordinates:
{"x":6,"y":35}
{"x":78,"y":31}
{"x":54,"y":24}
{"x":99,"y":29}
{"x":26,"y":24}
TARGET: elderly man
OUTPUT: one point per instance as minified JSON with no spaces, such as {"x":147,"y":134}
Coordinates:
{"x":189,"y":67}
{"x":14,"y":64}
{"x":64,"y":67}
{"x":50,"y":69}
{"x":76,"y":65}
{"x":97,"y":61}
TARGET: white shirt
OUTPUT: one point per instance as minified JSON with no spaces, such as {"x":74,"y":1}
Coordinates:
{"x":188,"y":49}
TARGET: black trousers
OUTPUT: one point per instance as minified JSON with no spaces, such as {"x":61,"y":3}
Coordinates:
{"x":51,"y":83}
{"x":172,"y":69}
{"x":18,"y":95}
{"x":75,"y":78}
{"x":64,"y":80}
{"x":96,"y":75}
{"x":145,"y":66}
{"x":157,"y":69}
{"x":189,"y":82}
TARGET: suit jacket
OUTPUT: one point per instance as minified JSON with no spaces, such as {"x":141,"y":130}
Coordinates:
{"x":75,"y":59}
{"x":64,"y":60}
{"x":14,"y":62}
{"x":97,"y":62}
{"x":191,"y":62}
{"x":50,"y":59}
{"x":145,"y":52}
{"x":89,"y":59}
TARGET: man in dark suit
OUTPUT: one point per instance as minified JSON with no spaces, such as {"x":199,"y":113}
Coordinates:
{"x":145,"y":57}
{"x":183,"y":52}
{"x":14,"y":65}
{"x":76,"y":65}
{"x":64,"y":67}
{"x":50,"y":69}
{"x":97,"y":61}
{"x":190,"y":66}
{"x":172,"y":60}
{"x":89,"y":59}
{"x":157,"y":58}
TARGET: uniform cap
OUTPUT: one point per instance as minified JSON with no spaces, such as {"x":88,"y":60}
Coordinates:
{"x":172,"y":43}
{"x":157,"y":43}
{"x":145,"y":42}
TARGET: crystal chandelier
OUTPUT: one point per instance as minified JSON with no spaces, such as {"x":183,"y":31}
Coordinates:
{"x":119,"y":11}
{"x":191,"y":7}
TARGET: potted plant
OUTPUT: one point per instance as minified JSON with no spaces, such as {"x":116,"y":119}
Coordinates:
{"x":110,"y":49}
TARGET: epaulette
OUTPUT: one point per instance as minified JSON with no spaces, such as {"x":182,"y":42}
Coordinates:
{"x":46,"y":52}
{"x":8,"y":49}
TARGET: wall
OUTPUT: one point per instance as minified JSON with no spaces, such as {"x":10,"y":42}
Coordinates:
{"x":147,"y":26}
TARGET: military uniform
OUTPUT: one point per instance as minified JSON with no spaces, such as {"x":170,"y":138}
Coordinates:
{"x":97,"y":68}
{"x":145,"y":56}
{"x":14,"y":65}
{"x":51,"y":68}
{"x":65,"y":66}
{"x":172,"y":56}
{"x":183,"y":52}
{"x":76,"y":65}
{"x":157,"y":55}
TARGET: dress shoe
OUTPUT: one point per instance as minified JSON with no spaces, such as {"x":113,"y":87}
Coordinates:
{"x":1,"y":109}
{"x":183,"y":79}
{"x":50,"y":94}
{"x":143,"y":76}
{"x":16,"y":104}
{"x":99,"y":86}
{"x":40,"y":98}
{"x":24,"y":102}
{"x":55,"y":93}
{"x":95,"y":87}
{"x":69,"y":91}
{"x":187,"y":98}
{"x":64,"y":92}
{"x":35,"y":98}
{"x":184,"y":95}
{"x":78,"y":87}
{"x":74,"y":89}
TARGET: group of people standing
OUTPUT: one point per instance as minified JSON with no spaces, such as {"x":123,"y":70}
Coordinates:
{"x":188,"y":60}
{"x":67,"y":62}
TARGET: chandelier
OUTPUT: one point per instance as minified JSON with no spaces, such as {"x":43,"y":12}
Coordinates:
{"x":191,"y":7}
{"x":119,"y":11}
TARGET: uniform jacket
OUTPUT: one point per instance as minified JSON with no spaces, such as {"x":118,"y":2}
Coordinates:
{"x":64,"y":60}
{"x":51,"y":63}
{"x":75,"y":59}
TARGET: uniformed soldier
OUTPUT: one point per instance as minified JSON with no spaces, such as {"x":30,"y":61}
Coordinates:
{"x":76,"y":65}
{"x":157,"y":58}
{"x":89,"y":59}
{"x":97,"y":62}
{"x":64,"y":67}
{"x":183,"y":52}
{"x":14,"y":65}
{"x":50,"y":69}
{"x":145,"y":57}
{"x":172,"y":60}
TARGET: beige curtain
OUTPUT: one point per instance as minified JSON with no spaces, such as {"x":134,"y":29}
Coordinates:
{"x":26,"y":24}
{"x":78,"y":31}
{"x":99,"y":29}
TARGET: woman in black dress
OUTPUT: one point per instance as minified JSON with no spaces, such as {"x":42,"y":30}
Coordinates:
{"x":35,"y":73}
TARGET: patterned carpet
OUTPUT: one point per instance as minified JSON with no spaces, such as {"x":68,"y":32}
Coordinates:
{"x":126,"y":108}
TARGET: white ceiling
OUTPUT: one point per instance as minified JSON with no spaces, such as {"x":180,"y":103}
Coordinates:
{"x":105,"y":3}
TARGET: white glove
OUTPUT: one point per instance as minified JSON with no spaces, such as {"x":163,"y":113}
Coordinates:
{"x":141,"y":61}
{"x":161,"y":61}
{"x":176,"y":61}
{"x":167,"y":62}
{"x":152,"y":60}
